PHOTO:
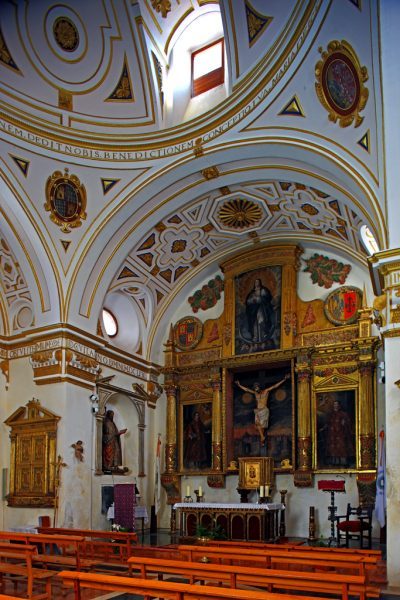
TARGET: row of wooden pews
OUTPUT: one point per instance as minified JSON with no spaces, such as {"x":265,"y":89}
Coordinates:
{"x":330,"y":571}
{"x":33,"y":559}
{"x":267,"y":569}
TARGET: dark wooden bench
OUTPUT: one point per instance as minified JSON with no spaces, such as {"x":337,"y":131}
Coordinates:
{"x":271,"y":579}
{"x":107,"y":547}
{"x":16,"y":562}
{"x":163,"y":589}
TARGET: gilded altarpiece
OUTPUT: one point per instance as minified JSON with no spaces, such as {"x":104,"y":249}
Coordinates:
{"x":33,"y":456}
{"x":268,"y":378}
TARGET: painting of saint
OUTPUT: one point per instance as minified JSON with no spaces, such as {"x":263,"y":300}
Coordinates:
{"x":196,"y":436}
{"x":258,"y":307}
{"x":262,"y":414}
{"x":336,"y":432}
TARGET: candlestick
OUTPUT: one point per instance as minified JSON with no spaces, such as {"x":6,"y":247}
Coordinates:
{"x":188,"y":490}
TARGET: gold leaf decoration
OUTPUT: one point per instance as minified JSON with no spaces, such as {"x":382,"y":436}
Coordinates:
{"x":239,"y":213}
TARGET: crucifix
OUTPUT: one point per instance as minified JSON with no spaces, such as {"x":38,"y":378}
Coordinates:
{"x":57,"y":484}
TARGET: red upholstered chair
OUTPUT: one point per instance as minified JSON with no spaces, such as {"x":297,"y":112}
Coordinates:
{"x":356,"y":524}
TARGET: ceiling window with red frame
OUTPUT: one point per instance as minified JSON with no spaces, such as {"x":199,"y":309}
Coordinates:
{"x":208,"y":67}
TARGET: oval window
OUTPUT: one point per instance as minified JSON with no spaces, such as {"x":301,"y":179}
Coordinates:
{"x":110,"y":323}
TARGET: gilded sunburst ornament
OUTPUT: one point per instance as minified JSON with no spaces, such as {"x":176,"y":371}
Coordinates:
{"x":239,"y":213}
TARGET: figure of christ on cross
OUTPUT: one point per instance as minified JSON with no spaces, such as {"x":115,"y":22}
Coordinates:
{"x":261,"y":413}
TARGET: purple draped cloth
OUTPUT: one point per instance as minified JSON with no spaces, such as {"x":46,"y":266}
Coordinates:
{"x":124,"y":504}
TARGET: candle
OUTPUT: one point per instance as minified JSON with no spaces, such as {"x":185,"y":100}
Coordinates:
{"x":266,"y":491}
{"x":188,"y":490}
{"x":261,"y":491}
{"x":200,"y":491}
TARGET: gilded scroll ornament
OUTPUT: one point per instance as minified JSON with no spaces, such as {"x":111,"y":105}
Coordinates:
{"x":340,"y":83}
{"x":162,"y":6}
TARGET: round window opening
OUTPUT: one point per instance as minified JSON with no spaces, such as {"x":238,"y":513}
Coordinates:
{"x":110,"y":323}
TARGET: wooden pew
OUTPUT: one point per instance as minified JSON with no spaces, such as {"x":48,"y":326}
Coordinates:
{"x":163,"y":589}
{"x":288,"y":546}
{"x":111,"y":547}
{"x":16,"y":560}
{"x":267,"y":558}
{"x":271,"y":579}
{"x":58,"y":550}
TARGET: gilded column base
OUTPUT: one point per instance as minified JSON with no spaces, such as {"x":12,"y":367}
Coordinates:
{"x":304,"y":458}
{"x":367,"y":451}
{"x":171,"y":482}
{"x":303,"y":479}
{"x":216,"y":481}
{"x":217,"y":456}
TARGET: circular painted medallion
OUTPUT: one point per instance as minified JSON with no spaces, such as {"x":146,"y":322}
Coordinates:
{"x":342,"y":305}
{"x":188,"y":333}
{"x":66,"y":34}
{"x":340,"y":83}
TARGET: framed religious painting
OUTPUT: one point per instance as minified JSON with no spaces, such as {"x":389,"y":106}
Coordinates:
{"x":196,"y":436}
{"x":258,"y":310}
{"x":261,"y":414}
{"x":335,"y":430}
{"x":260,"y":300}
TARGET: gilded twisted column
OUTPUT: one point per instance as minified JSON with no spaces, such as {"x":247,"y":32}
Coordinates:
{"x":304,"y":454}
{"x":216,"y":426}
{"x":367,"y":422}
{"x":171,"y":438}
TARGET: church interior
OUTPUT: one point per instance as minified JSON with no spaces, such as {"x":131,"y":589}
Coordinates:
{"x":200,"y":270}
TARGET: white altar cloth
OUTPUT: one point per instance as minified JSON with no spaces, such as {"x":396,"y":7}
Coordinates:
{"x":232,"y":506}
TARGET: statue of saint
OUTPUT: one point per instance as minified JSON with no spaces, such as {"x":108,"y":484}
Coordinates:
{"x":112,"y":453}
{"x":262,"y":411}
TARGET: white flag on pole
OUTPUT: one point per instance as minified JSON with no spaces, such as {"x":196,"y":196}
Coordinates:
{"x":380,"y":501}
{"x":157,"y":486}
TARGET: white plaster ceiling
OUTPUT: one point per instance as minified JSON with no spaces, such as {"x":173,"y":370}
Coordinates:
{"x":308,"y":178}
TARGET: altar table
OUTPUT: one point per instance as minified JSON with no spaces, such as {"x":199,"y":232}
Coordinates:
{"x":249,"y":522}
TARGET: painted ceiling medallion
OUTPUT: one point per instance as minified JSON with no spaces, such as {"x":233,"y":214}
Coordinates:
{"x":66,"y":200}
{"x":340,"y":83}
{"x":66,"y":34}
{"x":239,"y":214}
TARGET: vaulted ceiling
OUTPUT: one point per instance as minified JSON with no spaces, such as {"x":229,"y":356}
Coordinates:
{"x":172,"y":185}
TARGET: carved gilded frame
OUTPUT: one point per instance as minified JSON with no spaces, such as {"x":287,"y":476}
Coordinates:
{"x":287,"y":257}
{"x":33,"y":456}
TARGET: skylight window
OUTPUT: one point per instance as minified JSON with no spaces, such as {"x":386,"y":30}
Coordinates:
{"x":369,"y":240}
{"x":208,"y":67}
{"x":110,"y":323}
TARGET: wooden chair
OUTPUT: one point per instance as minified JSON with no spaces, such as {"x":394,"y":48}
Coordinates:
{"x":356,"y":524}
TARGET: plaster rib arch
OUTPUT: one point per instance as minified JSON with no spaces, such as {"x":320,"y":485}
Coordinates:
{"x":174,"y":185}
{"x":25,"y":243}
